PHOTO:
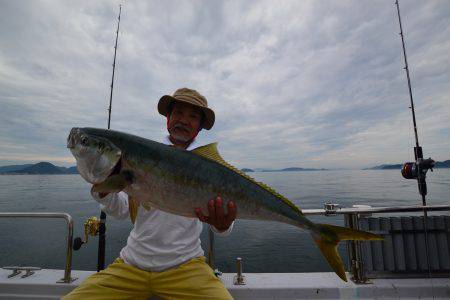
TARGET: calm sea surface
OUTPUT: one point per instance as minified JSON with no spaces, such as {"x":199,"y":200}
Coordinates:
{"x":264,"y":246}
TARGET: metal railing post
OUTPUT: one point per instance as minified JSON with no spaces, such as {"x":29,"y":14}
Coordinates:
{"x":354,"y":251}
{"x":69,"y":220}
{"x":69,"y":250}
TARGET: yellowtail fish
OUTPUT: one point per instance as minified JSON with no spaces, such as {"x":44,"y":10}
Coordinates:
{"x":178,"y":181}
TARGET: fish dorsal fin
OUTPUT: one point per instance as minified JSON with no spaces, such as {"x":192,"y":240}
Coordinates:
{"x":210,"y":152}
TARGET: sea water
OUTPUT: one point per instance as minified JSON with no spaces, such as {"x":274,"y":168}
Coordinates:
{"x":263,"y":246}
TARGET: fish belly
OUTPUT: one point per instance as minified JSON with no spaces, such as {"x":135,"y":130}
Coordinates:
{"x":164,"y":192}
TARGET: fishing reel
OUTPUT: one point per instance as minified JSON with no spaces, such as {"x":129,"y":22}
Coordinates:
{"x":91,"y":228}
{"x":418,"y":170}
{"x":412,"y":170}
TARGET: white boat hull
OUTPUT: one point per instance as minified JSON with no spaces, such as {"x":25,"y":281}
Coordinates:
{"x":43,"y":285}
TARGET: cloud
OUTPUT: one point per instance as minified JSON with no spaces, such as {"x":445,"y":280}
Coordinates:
{"x":296,"y":83}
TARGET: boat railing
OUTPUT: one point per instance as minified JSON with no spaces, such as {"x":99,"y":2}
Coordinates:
{"x":334,"y":209}
{"x":353,"y":217}
{"x":52,"y":215}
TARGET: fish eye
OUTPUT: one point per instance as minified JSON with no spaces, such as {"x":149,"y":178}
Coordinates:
{"x":84,"y":140}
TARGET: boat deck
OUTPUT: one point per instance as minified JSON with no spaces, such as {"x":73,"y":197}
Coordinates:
{"x":42,"y":285}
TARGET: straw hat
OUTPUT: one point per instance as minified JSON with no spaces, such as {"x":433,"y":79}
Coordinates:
{"x":189,"y":96}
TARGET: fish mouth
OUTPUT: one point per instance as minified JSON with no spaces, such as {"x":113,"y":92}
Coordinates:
{"x":71,"y":139}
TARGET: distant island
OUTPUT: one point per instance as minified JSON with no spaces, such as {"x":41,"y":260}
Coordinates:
{"x":439,"y":164}
{"x":386,"y":167}
{"x":44,"y":168}
{"x":291,"y":169}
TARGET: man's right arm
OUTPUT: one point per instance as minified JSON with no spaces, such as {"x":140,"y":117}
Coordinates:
{"x":113,"y":204}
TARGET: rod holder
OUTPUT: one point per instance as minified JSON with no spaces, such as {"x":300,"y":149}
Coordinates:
{"x":239,"y":279}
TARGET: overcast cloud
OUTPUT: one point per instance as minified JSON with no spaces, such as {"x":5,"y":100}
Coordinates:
{"x":293,"y":83}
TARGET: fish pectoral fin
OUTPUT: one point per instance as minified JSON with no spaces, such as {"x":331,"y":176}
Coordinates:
{"x":114,"y":183}
{"x":133,"y":206}
{"x":327,"y":237}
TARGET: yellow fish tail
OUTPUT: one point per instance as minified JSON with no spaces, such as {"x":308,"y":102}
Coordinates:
{"x":327,"y":237}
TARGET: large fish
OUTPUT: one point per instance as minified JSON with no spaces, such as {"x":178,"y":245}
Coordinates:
{"x":178,"y":181}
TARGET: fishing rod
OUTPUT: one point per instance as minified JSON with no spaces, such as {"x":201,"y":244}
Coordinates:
{"x":114,"y":68}
{"x":419,"y":168}
{"x":102,"y":227}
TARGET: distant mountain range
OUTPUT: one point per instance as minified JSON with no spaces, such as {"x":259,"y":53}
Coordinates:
{"x":439,"y":164}
{"x":39,"y":168}
{"x":291,"y":169}
{"x":49,"y":168}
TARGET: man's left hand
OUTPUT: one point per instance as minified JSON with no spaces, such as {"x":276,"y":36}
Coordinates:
{"x":216,"y":214}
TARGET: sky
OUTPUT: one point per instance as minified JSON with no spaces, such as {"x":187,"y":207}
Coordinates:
{"x":315,"y":84}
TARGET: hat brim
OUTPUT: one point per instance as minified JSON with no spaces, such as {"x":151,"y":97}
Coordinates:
{"x":163,"y":109}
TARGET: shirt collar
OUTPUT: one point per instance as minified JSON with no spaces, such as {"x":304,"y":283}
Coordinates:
{"x":191,"y":146}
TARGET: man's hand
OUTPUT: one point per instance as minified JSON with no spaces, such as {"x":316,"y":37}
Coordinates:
{"x":216,"y":214}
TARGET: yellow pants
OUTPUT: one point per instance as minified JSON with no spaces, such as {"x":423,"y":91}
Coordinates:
{"x":191,"y":280}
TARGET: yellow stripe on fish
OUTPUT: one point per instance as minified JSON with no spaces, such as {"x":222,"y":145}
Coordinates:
{"x":210,"y":152}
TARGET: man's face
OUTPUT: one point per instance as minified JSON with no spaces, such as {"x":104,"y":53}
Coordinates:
{"x":184,"y":121}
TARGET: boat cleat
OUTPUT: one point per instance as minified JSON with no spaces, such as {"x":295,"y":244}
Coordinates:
{"x":16,"y":270}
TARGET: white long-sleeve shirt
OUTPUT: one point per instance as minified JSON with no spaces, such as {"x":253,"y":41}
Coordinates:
{"x":159,"y":240}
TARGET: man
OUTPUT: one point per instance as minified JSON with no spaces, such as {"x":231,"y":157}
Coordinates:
{"x":163,"y":255}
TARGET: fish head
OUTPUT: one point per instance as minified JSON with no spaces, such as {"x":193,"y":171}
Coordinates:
{"x":97,"y":157}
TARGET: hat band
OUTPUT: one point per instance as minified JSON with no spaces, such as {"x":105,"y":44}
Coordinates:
{"x":191,"y":100}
